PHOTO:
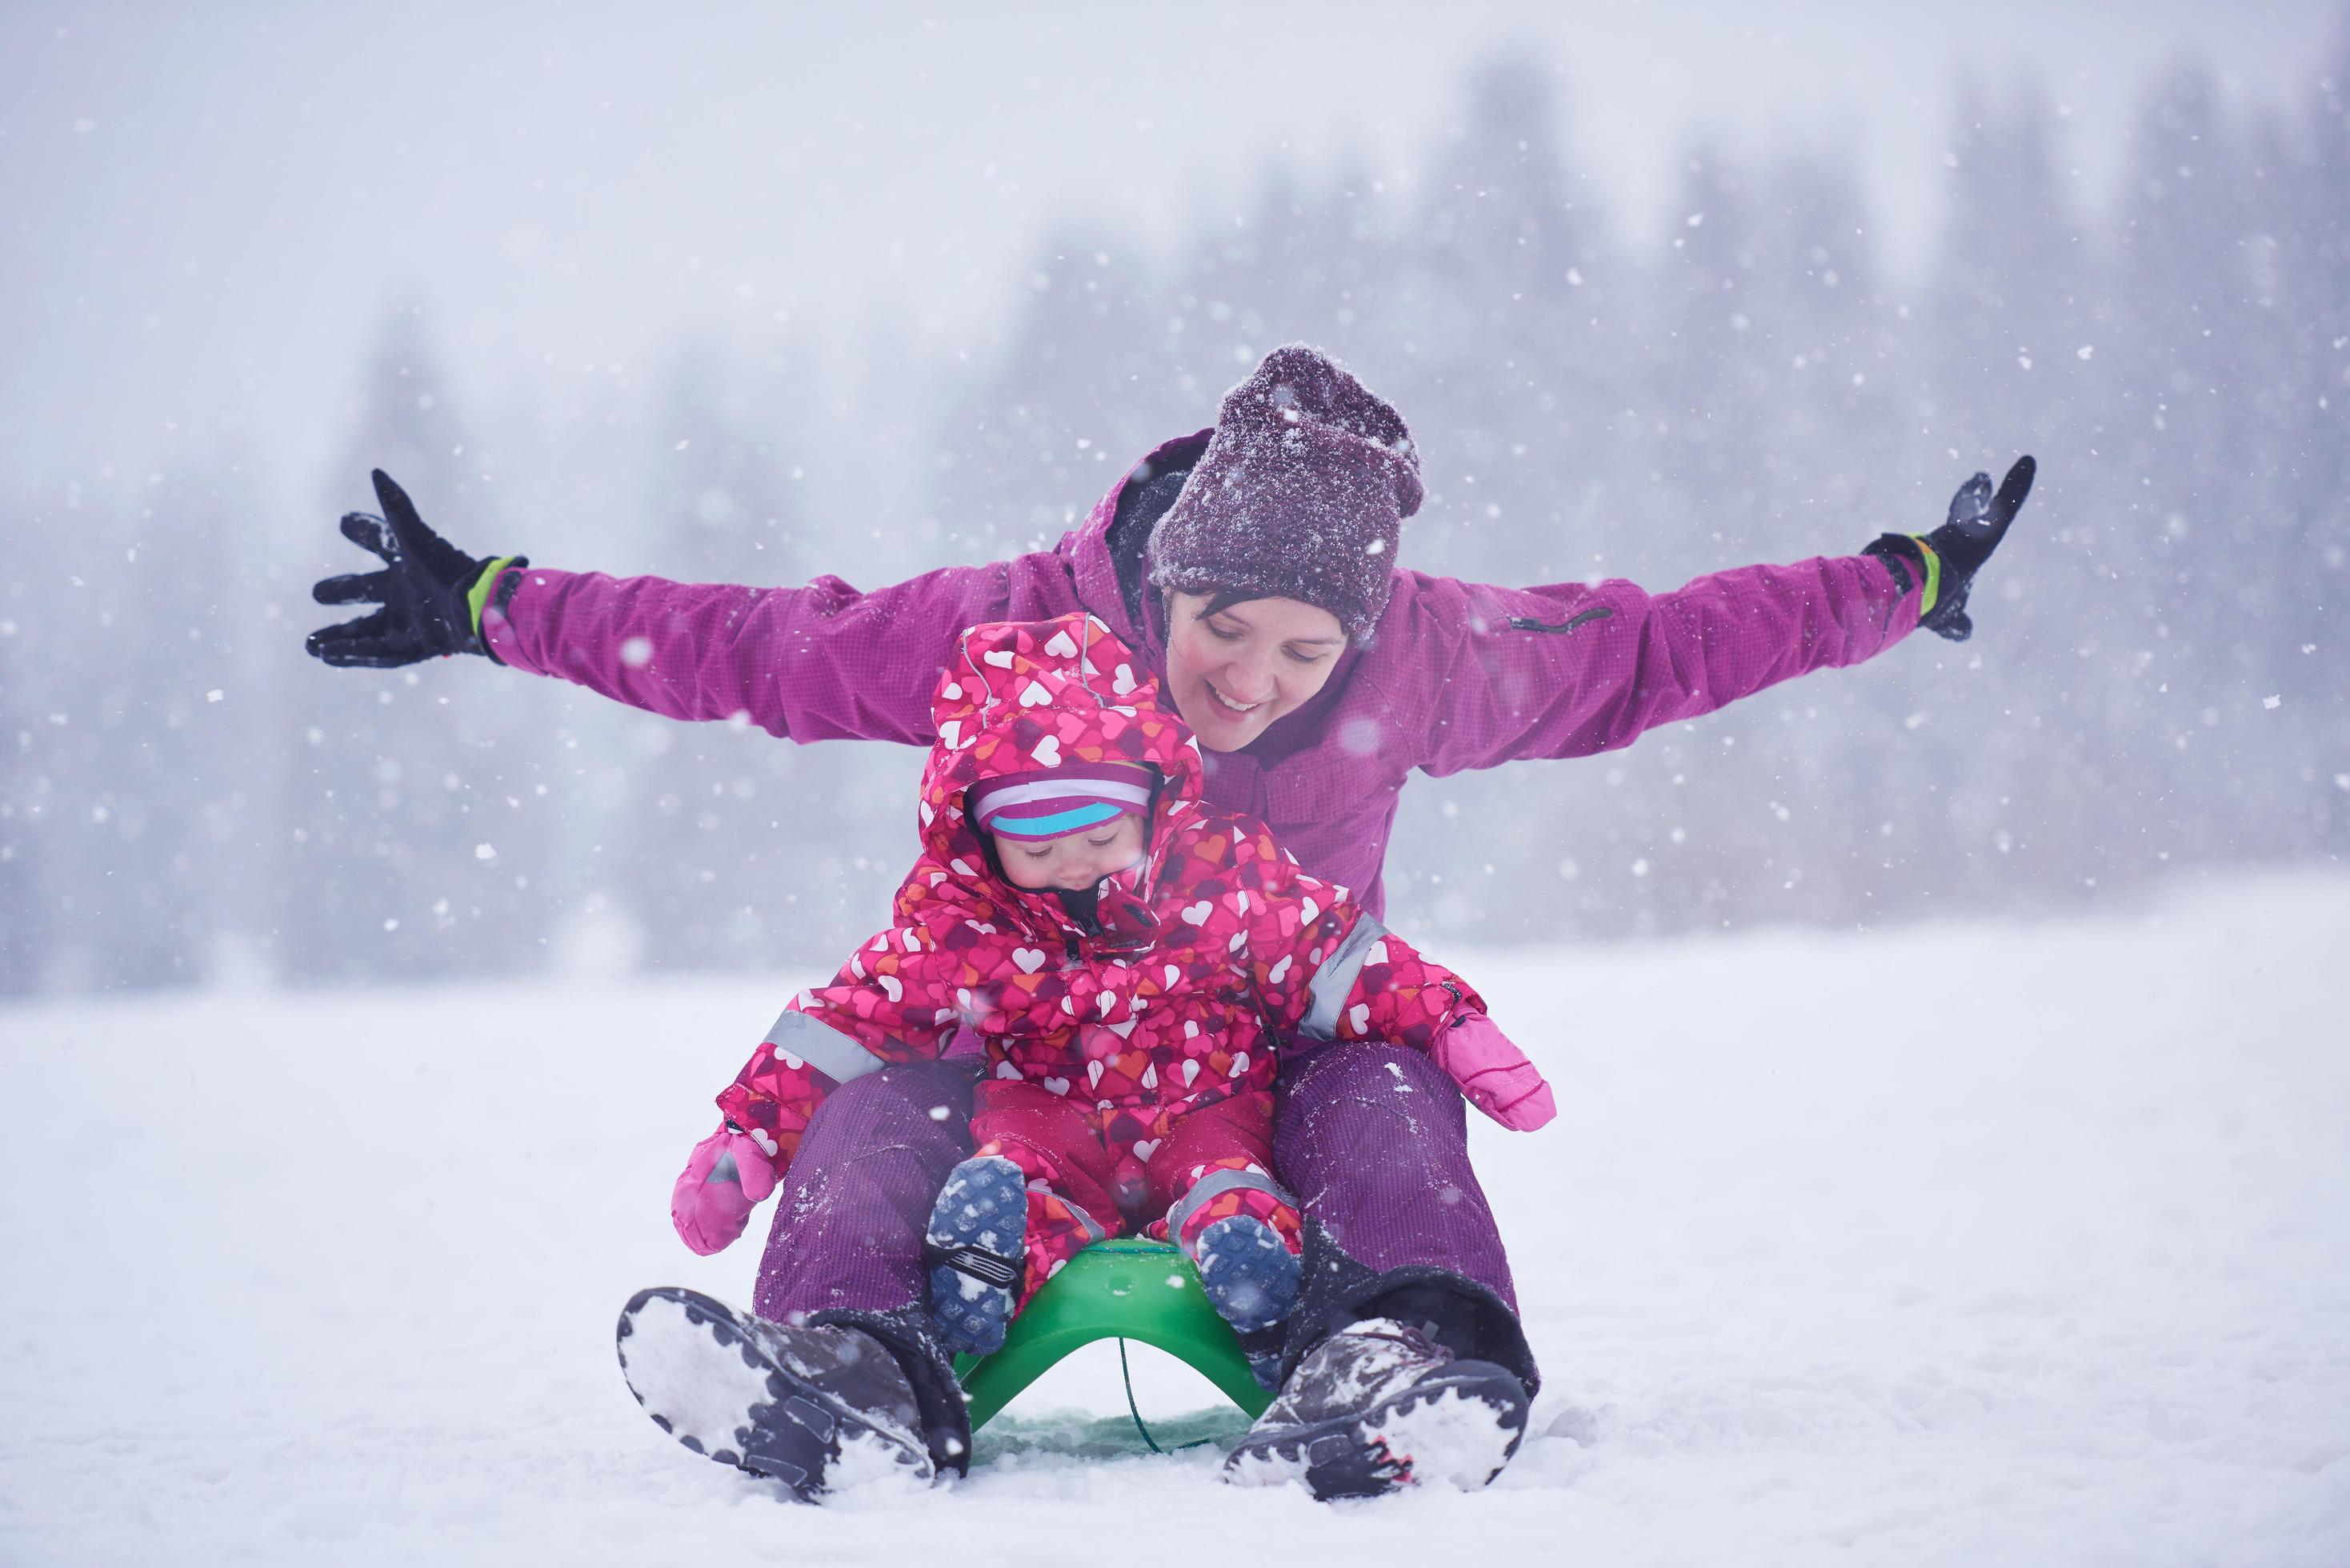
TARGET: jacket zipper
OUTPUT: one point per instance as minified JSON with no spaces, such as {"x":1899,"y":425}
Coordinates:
{"x":1528,"y":623}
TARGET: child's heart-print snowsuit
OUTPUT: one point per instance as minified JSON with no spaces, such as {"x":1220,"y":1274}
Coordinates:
{"x":1165,"y":1008}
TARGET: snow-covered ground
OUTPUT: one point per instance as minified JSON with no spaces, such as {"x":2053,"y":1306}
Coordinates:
{"x":1967,"y":1243}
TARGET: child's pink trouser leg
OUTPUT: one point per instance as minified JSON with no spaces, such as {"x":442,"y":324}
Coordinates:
{"x":1053,"y":1143}
{"x":1218,"y":1162}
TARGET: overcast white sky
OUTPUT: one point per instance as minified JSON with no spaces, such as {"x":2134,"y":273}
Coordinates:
{"x":206,"y":208}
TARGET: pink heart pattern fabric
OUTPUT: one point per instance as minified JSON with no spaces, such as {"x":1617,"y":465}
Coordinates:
{"x":1203,"y":950}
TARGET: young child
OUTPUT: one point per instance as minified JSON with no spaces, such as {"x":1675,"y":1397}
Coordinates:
{"x":1127,"y":960}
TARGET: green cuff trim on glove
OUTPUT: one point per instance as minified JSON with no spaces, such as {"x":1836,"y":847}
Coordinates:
{"x":1933,"y":576}
{"x":482,"y":587}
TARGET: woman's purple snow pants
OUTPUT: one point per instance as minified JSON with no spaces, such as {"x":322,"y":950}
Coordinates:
{"x":1372,"y":1139}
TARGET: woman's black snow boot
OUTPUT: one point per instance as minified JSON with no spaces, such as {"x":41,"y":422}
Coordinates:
{"x":818,"y":1409}
{"x":1380,"y":1405}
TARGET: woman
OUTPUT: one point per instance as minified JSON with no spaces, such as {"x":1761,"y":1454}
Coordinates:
{"x":1253,"y":566}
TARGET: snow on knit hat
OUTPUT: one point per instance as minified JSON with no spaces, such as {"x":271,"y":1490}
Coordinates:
{"x":1053,"y":803}
{"x":1301,"y":493}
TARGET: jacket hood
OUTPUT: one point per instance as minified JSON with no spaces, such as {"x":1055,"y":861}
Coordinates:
{"x":1108,"y":550}
{"x":1017,"y":696}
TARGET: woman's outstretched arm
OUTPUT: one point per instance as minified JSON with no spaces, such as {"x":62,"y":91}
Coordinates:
{"x":1577,"y":667}
{"x":824,"y":661}
{"x":821,"y":662}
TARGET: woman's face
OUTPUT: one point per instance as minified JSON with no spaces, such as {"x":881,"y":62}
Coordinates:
{"x":1233,"y":673}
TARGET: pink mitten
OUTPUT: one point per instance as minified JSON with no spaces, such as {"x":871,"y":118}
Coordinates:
{"x":728,"y":1175}
{"x":1495,"y":1073}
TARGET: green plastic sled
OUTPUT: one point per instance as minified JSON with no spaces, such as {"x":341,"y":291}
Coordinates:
{"x":1125,"y":1289}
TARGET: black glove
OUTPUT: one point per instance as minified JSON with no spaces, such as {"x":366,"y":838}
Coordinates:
{"x":428,"y":590}
{"x":1978,"y":521}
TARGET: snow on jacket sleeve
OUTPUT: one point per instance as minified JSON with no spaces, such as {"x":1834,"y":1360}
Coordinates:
{"x":1575,"y":667}
{"x":893,"y":1000}
{"x":1325,"y":966}
{"x":822,"y":662}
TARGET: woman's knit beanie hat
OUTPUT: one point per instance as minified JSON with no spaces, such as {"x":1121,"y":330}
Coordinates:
{"x":1301,"y":493}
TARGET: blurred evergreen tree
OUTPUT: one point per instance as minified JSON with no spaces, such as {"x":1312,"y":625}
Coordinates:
{"x":1078,"y":393}
{"x":713,"y":842}
{"x":1511,"y":311}
{"x":2008,"y":763}
{"x":2309,"y":403}
{"x":2191,"y":452}
{"x":34,"y":615}
{"x":417,"y":800}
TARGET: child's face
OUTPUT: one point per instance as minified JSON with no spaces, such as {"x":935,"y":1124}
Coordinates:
{"x":1079,"y":860}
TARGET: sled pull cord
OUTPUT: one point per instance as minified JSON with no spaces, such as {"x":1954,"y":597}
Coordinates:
{"x":1129,"y":1377}
{"x":1130,"y":1409}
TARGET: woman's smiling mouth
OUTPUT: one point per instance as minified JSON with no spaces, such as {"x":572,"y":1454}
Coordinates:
{"x":1228,"y":703}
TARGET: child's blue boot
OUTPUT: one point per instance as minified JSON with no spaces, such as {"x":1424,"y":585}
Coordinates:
{"x":1249,"y":1275}
{"x":974,"y":1247}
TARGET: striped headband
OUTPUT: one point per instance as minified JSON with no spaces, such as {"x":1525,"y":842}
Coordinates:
{"x":1053,"y":803}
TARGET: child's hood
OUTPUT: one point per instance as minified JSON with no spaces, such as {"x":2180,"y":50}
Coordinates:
{"x":1017,"y":696}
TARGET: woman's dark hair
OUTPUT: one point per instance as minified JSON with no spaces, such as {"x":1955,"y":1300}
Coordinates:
{"x":1224,"y":599}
